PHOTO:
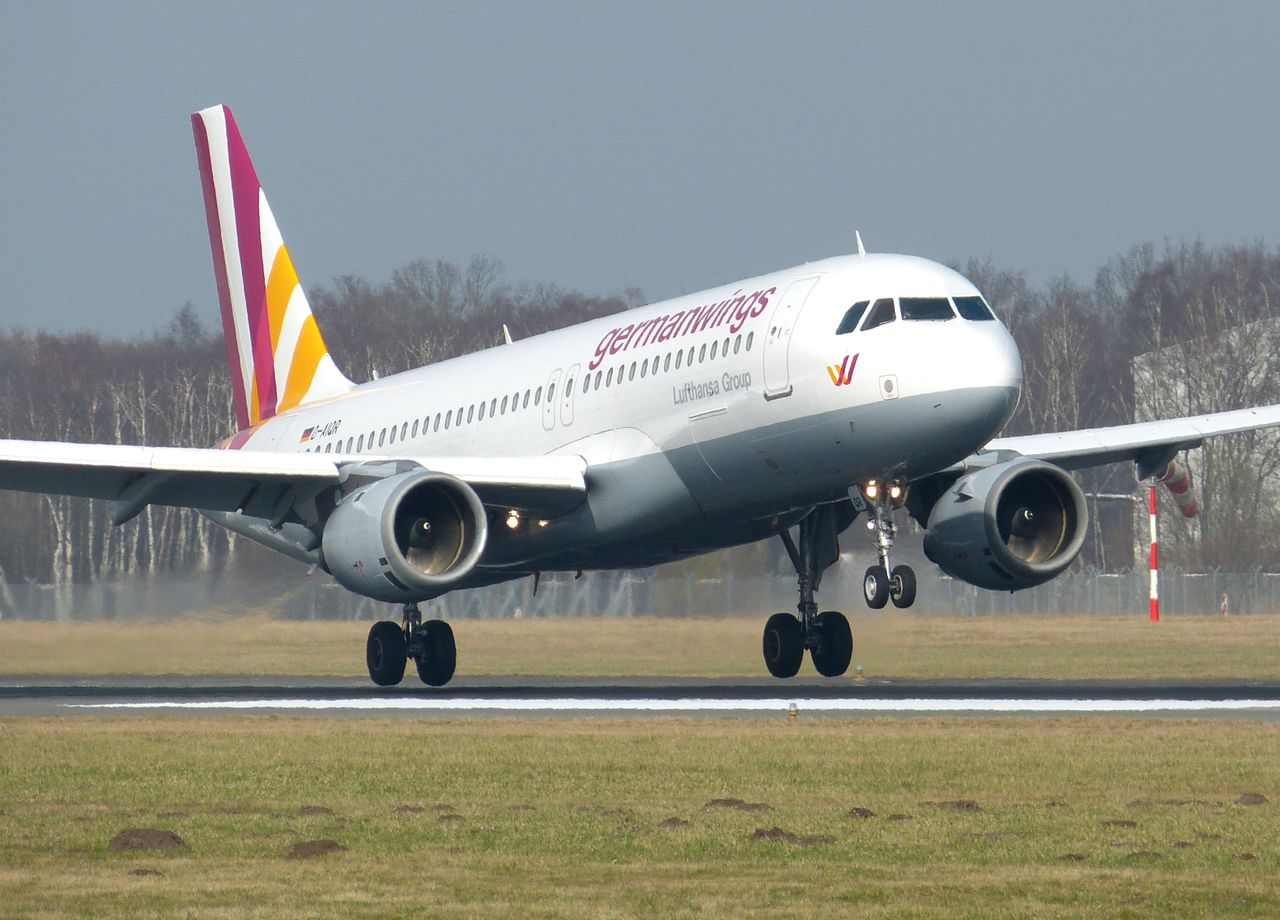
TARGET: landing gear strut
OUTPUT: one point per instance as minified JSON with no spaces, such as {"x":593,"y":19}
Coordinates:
{"x":429,"y":644}
{"x":826,"y":635}
{"x":885,"y":582}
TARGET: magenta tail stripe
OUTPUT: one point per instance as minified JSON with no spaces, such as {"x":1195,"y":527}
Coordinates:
{"x":220,"y":270}
{"x":246,"y":192}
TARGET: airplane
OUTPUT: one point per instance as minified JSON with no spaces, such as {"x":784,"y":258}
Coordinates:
{"x":784,"y":406}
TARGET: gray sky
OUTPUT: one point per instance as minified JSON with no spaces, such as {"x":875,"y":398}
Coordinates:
{"x":604,"y":145}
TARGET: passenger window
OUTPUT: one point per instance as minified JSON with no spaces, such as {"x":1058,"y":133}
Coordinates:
{"x":349,"y":445}
{"x":679,"y":358}
{"x":702,"y":354}
{"x":974,"y":308}
{"x":360,"y":445}
{"x":631,"y":375}
{"x":415,"y":428}
{"x":493,"y":407}
{"x":852,"y":316}
{"x":515,"y":400}
{"x":724,"y":348}
{"x":382,"y":437}
{"x":526,"y":400}
{"x":328,"y":448}
{"x":586,"y":383}
{"x":551,"y":392}
{"x":737,"y":344}
{"x":481,"y":418}
{"x":608,"y":380}
{"x":471,"y":414}
{"x":714,"y":345}
{"x":751,"y":337}
{"x":666,"y":363}
{"x":503,"y":408}
{"x":657,"y":359}
{"x":537,"y":396}
{"x":371,"y":436}
{"x":925,"y":308}
{"x":447,"y":417}
{"x":880,"y":314}
{"x":435,"y":426}
{"x":393,"y":434}
{"x":599,"y":377}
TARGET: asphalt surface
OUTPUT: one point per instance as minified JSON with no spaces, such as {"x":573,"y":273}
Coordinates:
{"x":630,"y":697}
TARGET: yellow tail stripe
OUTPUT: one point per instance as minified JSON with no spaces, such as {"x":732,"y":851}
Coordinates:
{"x":280,"y":288}
{"x":306,"y":358}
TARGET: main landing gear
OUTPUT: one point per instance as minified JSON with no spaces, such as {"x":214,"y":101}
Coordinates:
{"x":826,"y":635}
{"x":429,"y":644}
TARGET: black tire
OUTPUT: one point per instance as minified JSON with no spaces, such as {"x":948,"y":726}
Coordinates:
{"x":902,"y":586}
{"x":875,"y":587}
{"x":385,"y":653}
{"x":833,"y":657}
{"x":439,"y":653}
{"x":783,"y":645}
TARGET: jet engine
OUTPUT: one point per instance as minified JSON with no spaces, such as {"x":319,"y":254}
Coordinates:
{"x":408,"y":537}
{"x":1009,"y":526}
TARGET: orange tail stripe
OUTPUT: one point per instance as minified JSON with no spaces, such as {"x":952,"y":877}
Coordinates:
{"x":306,"y":358}
{"x":279,"y":289}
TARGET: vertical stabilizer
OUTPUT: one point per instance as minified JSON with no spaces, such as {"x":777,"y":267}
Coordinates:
{"x":278,"y":358}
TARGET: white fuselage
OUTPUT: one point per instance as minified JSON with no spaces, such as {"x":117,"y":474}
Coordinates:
{"x":743,"y":397}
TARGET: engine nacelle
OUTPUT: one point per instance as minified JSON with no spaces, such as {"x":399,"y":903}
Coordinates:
{"x":409,"y":537}
{"x":1010,"y":526}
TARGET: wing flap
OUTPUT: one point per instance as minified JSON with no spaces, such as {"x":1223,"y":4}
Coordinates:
{"x":1087,"y":447}
{"x":257,"y":482}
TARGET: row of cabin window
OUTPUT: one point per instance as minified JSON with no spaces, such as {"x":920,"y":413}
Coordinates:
{"x":454,"y":417}
{"x":666,"y":363}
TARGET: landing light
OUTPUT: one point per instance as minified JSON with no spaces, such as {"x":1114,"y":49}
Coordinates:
{"x":542,"y":523}
{"x":871,"y":490}
{"x":513,"y":519}
{"x":895,"y":491}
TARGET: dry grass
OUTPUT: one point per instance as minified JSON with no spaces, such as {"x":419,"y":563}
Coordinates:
{"x":889,"y":645}
{"x":563,"y":818}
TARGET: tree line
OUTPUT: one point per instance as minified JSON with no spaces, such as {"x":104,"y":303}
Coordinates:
{"x":1184,"y":301}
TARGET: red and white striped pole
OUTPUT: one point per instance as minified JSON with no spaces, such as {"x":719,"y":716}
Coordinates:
{"x":1155,"y":567}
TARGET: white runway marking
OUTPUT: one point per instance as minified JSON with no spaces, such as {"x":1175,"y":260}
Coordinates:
{"x":568,"y":704}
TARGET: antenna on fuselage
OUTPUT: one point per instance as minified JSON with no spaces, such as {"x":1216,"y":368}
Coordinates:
{"x":506,"y":334}
{"x":861,"y":249}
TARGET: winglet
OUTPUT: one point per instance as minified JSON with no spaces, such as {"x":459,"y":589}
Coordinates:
{"x":277,"y":356}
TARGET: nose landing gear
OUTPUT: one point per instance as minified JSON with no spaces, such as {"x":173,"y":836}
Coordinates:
{"x":886,"y":582}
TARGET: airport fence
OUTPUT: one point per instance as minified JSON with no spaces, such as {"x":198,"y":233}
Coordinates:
{"x":653,"y":592}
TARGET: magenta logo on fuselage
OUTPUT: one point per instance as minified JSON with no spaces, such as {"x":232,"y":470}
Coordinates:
{"x":735,"y":310}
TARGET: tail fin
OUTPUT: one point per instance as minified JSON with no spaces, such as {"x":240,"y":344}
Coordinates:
{"x":278,"y":359}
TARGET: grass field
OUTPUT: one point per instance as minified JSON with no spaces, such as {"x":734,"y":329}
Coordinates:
{"x":889,"y":645}
{"x":493,"y":818}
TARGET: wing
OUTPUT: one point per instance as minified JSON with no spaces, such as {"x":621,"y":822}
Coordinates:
{"x":260,"y":483}
{"x":1149,"y":444}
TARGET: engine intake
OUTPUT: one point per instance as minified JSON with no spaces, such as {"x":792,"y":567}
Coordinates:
{"x":1010,"y":526}
{"x":409,"y":537}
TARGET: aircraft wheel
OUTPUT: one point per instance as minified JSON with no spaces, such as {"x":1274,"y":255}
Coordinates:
{"x":385,"y":653}
{"x":783,"y":645}
{"x":875,"y":587}
{"x":439,"y":654}
{"x":832,"y":658}
{"x":902,"y":586}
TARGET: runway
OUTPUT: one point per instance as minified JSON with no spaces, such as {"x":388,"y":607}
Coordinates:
{"x":632,"y":697}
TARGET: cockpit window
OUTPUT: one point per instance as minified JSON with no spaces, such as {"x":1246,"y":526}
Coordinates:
{"x":926,"y":308}
{"x":974,"y":308}
{"x":881,"y":313}
{"x":851,"y":317}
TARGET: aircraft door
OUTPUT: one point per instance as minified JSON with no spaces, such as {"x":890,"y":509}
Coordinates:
{"x":551,"y":395}
{"x":777,"y":342}
{"x":566,"y":401}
